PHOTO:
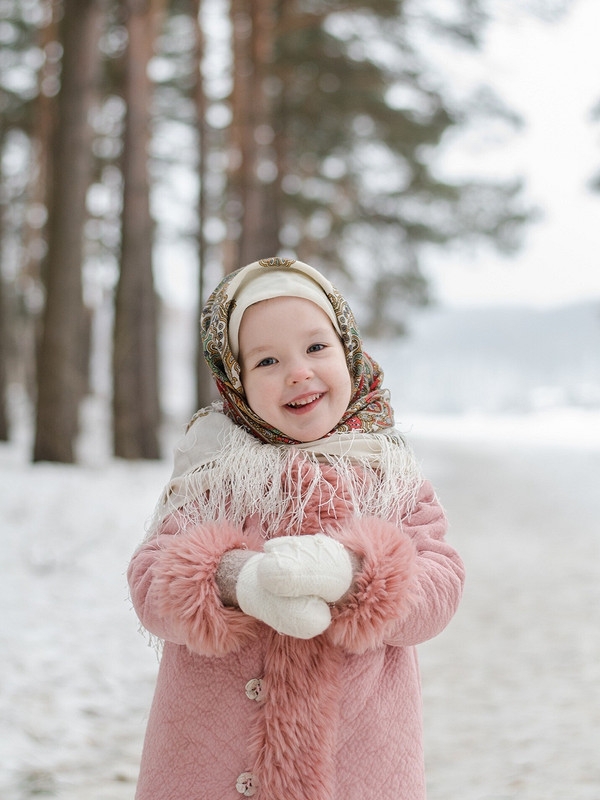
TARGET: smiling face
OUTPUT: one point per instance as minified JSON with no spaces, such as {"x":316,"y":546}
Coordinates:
{"x":294,"y":370}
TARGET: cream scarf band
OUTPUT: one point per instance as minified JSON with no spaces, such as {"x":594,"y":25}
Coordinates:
{"x":221,"y":470}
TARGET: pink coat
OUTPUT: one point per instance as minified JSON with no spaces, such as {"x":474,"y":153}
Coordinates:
{"x":241,"y":710}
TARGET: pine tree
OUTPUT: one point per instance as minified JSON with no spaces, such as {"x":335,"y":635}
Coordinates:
{"x":330,"y":166}
{"x":136,"y":406}
{"x":204,"y":384}
{"x":60,"y":382}
{"x":4,"y":426}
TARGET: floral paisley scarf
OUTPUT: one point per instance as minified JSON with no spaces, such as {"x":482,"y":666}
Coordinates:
{"x":369,"y":409}
{"x":231,"y":462}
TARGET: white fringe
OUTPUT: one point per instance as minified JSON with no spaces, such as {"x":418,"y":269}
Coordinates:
{"x":245,"y":477}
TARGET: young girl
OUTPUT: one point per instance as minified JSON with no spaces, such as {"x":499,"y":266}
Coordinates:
{"x":295,"y":560}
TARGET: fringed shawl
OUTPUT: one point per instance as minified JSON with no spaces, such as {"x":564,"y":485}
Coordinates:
{"x":231,"y":464}
{"x":222,"y":471}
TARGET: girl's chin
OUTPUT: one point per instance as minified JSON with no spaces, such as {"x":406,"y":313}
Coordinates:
{"x":305,"y":433}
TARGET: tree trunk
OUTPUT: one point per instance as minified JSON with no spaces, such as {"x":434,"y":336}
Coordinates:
{"x":39,"y":193}
{"x":4,"y":428}
{"x":253,"y":230}
{"x":204,"y":385}
{"x":136,"y":404}
{"x":238,"y":158}
{"x":59,"y":376}
{"x":260,"y":237}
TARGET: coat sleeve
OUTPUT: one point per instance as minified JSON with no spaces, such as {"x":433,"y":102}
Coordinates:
{"x":409,"y":584}
{"x":172,"y":579}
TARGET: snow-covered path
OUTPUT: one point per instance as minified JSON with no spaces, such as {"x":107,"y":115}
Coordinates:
{"x":511,"y":689}
{"x":76,"y":678}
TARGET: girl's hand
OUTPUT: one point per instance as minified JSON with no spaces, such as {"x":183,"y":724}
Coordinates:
{"x":296,"y":566}
{"x":302,"y":616}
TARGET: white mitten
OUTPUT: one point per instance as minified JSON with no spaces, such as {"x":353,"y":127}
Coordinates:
{"x":306,"y":565}
{"x":300,"y":616}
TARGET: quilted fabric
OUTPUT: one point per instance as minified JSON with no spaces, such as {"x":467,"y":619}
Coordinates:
{"x":337,"y":717}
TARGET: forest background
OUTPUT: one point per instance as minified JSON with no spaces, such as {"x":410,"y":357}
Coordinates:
{"x":148,"y":148}
{"x":313,"y":130}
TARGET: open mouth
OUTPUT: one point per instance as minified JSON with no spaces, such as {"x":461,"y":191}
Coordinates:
{"x":305,"y":401}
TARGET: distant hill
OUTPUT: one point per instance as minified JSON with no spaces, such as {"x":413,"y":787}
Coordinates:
{"x":496,"y":359}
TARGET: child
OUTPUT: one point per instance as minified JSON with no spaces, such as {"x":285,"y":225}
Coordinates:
{"x":295,"y":560}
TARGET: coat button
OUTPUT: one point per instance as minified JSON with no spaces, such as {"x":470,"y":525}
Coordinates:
{"x":247,"y":784}
{"x":254,"y":689}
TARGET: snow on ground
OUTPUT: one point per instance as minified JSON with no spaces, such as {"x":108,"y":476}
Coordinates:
{"x":511,"y":688}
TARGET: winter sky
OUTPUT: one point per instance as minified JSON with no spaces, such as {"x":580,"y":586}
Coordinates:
{"x":547,"y":72}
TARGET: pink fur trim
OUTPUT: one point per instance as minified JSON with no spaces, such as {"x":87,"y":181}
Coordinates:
{"x":185,"y":589}
{"x":294,"y":742}
{"x":384,"y":588}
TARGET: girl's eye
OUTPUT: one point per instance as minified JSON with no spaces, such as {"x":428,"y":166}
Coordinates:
{"x":314,"y":348}
{"x":266,"y":362}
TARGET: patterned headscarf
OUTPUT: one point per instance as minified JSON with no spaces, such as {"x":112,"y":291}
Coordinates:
{"x":369,"y":410}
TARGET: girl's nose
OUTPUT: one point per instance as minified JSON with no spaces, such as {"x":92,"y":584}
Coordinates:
{"x":299,"y":372}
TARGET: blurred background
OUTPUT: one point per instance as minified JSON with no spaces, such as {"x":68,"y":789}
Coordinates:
{"x":439,"y":160}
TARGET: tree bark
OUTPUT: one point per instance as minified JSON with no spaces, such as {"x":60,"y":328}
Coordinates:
{"x":204,"y":385}
{"x":59,"y":375}
{"x":261,"y":229}
{"x":253,"y":232}
{"x":136,"y":405}
{"x":4,"y":427}
{"x":39,"y":192}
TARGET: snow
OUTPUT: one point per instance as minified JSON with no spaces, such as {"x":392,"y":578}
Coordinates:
{"x":510,"y":688}
{"x":76,"y":679}
{"x":570,"y":428}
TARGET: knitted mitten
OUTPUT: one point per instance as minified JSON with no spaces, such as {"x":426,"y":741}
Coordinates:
{"x":301,"y":616}
{"x":294,"y":566}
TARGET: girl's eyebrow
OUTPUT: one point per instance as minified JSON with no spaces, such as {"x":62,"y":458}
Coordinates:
{"x":320,"y":331}
{"x":260,"y":348}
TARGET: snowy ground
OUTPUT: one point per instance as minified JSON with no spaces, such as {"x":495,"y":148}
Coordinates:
{"x":511,"y":689}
